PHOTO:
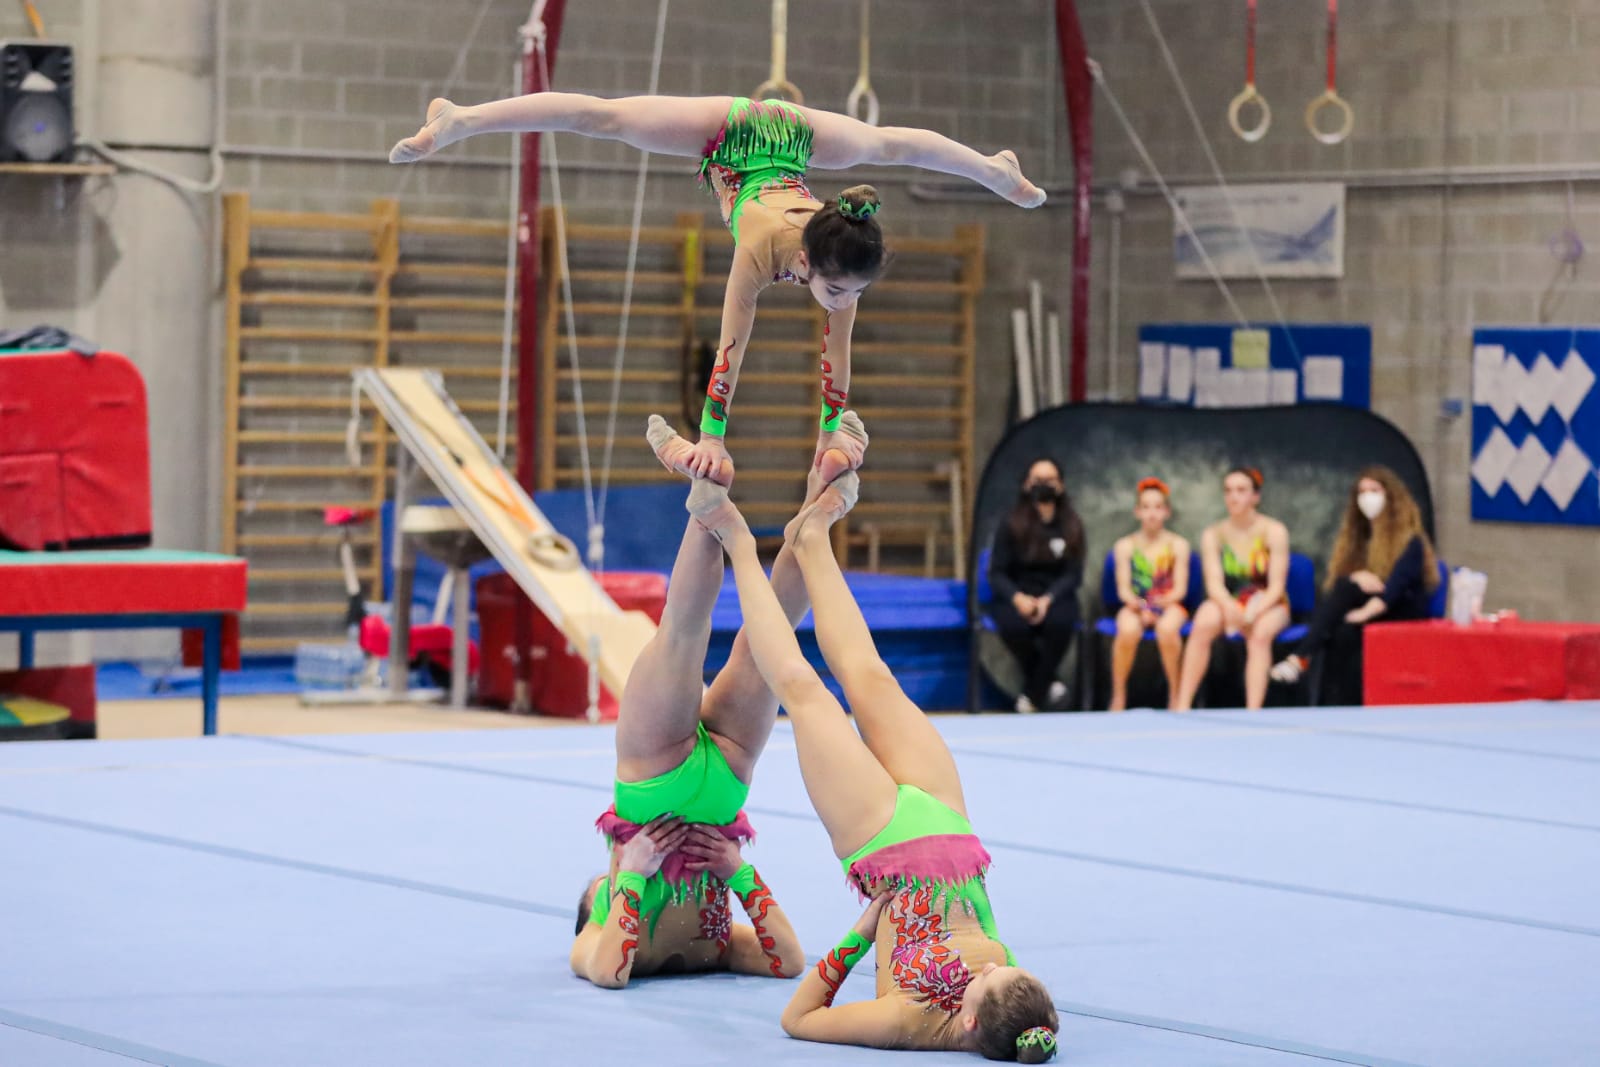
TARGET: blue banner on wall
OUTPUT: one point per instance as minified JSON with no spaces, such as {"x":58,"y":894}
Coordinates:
{"x":1536,"y":425}
{"x":1211,"y":365}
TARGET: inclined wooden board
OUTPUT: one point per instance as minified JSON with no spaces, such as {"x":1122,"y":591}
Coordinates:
{"x":426,"y":422}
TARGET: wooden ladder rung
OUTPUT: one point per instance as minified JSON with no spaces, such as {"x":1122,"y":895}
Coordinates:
{"x":452,"y":270}
{"x":449,"y":303}
{"x":447,"y":337}
{"x":668,"y":376}
{"x":308,"y":220}
{"x":280,"y":507}
{"x":640,"y":277}
{"x":300,"y":437}
{"x":637,"y":310}
{"x":919,"y":444}
{"x":285,"y":540}
{"x":656,"y":235}
{"x":313,"y":263}
{"x":452,"y":227}
{"x":316,"y":607}
{"x":303,"y":574}
{"x":287,"y":470}
{"x":295,"y":403}
{"x":299,"y":333}
{"x":271,"y":368}
{"x":662,"y":344}
{"x":279,"y":298}
{"x":905,"y":348}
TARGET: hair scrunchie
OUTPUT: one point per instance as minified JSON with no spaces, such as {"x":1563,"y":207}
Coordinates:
{"x":1154,"y":483}
{"x":857,"y":212}
{"x":1041,"y":1037}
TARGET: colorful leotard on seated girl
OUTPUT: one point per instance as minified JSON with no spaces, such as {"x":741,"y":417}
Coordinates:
{"x":1153,"y":575}
{"x":1247,"y":577}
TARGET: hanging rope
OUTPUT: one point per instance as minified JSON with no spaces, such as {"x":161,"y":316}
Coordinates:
{"x":1250,"y":96}
{"x":1346,"y":116}
{"x":1216,"y":171}
{"x":862,"y":89}
{"x":1177,"y":208}
{"x":627,"y":293}
{"x":778,"y":83}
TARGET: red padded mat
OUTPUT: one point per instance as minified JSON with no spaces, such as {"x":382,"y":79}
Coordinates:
{"x":131,"y":582}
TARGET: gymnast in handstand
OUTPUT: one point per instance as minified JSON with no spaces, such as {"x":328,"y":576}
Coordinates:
{"x":892,"y":803}
{"x":685,"y":757}
{"x":754,"y":155}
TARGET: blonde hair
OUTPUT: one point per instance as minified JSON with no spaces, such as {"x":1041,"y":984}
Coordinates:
{"x":1364,"y":544}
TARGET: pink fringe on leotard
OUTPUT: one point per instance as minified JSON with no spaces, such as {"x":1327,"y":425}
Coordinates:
{"x":947,"y":859}
{"x":675,"y":867}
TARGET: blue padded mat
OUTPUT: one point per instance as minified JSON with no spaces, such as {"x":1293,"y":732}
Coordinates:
{"x":1380,"y":886}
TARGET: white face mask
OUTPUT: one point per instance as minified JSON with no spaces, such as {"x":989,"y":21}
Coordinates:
{"x":1370,"y":503}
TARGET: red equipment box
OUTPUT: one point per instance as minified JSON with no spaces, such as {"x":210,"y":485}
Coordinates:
{"x":1437,"y":662}
{"x":558,"y":678}
{"x":74,"y":452}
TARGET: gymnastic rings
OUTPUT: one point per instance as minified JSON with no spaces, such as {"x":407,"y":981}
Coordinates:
{"x":553,"y":550}
{"x":778,"y":84}
{"x":1330,"y":97}
{"x":862,"y":89}
{"x":1250,"y":97}
{"x":1346,"y":114}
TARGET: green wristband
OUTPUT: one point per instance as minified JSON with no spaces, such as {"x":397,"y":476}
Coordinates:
{"x":830,"y":417}
{"x":632,"y":881}
{"x":743,"y":881}
{"x":714,"y":418}
{"x":851,"y":950}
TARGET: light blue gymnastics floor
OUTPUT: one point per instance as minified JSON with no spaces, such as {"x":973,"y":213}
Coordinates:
{"x":1401,"y":886}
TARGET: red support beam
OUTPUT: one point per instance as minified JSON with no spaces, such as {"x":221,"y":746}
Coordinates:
{"x":1078,"y":85}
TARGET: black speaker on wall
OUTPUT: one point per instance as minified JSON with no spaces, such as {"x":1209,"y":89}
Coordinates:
{"x":36,"y":79}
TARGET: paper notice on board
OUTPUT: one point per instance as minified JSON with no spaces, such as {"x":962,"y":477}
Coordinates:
{"x":1284,"y":389}
{"x":1253,"y":387}
{"x":1152,"y":369}
{"x":1180,"y":374}
{"x":1208,"y":378}
{"x":1324,"y":377}
{"x":1252,"y":349}
{"x":1486,"y":363}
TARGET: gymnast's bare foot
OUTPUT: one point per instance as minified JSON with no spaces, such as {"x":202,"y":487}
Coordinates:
{"x":831,"y":505}
{"x":675,"y":453}
{"x":443,"y":127}
{"x":838,"y":451}
{"x":1012,"y":185}
{"x":709,"y":504}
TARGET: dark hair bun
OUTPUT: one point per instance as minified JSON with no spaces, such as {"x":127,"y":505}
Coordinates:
{"x":1036,"y":1044}
{"x":859,"y":203}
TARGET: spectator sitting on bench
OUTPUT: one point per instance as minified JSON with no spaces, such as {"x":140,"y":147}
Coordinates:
{"x":1382,"y":568}
{"x":1152,"y":580}
{"x":1246,"y":562}
{"x":1035,"y":572}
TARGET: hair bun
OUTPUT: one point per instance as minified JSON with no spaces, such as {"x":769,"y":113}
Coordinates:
{"x":859,"y":203}
{"x":1154,"y":483}
{"x":1255,"y":476}
{"x":1036,"y":1044}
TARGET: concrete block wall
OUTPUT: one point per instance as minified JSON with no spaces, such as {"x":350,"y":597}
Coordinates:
{"x":1481,"y":86}
{"x":316,"y":92}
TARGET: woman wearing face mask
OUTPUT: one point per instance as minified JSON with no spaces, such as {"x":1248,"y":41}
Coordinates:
{"x":1246,"y":561}
{"x":1152,"y":580}
{"x":1382,"y":568}
{"x":1035,"y":572}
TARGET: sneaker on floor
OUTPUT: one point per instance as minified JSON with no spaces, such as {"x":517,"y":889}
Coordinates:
{"x":1024,"y":706}
{"x":1058,"y":693}
{"x":1289,"y":669}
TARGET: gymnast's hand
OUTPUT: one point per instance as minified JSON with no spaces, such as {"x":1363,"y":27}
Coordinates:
{"x":658,"y":839}
{"x":707,"y":457}
{"x":867,"y":925}
{"x":711,"y":852}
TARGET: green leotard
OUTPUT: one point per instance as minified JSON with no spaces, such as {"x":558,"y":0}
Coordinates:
{"x":918,"y":814}
{"x":761,"y":144}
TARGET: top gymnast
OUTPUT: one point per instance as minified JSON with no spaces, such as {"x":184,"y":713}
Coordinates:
{"x":754,"y":157}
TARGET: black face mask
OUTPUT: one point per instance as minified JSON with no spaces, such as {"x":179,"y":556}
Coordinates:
{"x":1044,"y":494}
